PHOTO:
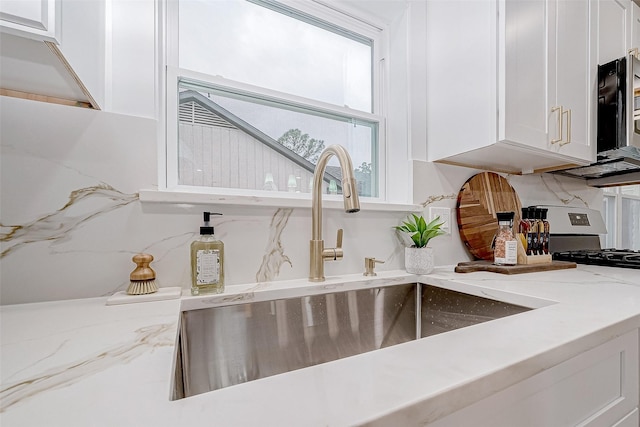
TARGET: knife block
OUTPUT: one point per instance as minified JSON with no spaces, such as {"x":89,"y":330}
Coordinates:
{"x":524,"y":259}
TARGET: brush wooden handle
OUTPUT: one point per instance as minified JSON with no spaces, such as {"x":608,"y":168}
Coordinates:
{"x":142,"y":271}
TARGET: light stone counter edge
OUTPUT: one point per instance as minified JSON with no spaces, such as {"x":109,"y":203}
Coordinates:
{"x":80,"y":362}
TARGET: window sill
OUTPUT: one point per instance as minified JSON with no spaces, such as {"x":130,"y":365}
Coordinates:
{"x":281,"y":200}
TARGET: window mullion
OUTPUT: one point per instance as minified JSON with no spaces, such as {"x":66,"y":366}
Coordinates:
{"x":241,"y":90}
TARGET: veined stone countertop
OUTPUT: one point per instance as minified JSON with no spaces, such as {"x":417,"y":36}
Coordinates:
{"x":82,"y":363}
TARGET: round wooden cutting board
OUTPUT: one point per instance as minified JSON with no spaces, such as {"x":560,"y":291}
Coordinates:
{"x":479,"y":199}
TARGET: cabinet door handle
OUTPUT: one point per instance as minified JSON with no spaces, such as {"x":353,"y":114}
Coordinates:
{"x":560,"y":114}
{"x":568,"y":113}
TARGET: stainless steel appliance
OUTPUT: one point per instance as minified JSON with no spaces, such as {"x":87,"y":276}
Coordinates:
{"x":607,"y":257}
{"x":617,"y":130}
{"x":575,"y":236}
{"x":618,"y":134}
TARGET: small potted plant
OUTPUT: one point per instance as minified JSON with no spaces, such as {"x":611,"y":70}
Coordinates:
{"x":418,"y":258}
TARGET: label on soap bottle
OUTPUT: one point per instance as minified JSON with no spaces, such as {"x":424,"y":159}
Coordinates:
{"x":207,"y":266}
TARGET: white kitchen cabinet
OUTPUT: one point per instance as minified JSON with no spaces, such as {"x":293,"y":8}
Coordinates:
{"x":599,"y":387}
{"x":635,"y":25}
{"x":615,"y":38}
{"x":36,"y":19}
{"x":53,"y":50}
{"x":631,"y":420}
{"x":572,"y":78}
{"x":104,"y":56}
{"x":511,"y":85}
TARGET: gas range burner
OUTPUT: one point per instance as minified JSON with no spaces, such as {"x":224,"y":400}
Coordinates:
{"x":625,"y":258}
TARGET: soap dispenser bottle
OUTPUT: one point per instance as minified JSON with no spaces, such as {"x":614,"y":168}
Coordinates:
{"x":207,"y":261}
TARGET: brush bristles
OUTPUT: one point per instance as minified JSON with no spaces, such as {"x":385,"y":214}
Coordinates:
{"x":141,"y":287}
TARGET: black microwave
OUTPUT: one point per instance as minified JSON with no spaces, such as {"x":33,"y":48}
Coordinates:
{"x":618,"y":132}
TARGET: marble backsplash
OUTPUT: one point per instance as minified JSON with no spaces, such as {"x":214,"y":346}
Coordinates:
{"x":71,"y":218}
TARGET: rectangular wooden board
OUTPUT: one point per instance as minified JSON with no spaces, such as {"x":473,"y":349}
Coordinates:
{"x":471,"y":266}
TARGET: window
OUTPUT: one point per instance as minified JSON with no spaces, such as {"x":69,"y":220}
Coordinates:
{"x":621,"y":210}
{"x":257,"y":89}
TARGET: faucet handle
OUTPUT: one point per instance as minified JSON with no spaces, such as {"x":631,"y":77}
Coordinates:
{"x":334,"y":254}
{"x":338,"y":253}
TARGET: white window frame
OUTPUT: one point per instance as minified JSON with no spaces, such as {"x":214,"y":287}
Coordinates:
{"x":167,"y":165}
{"x":175,"y":74}
{"x":616,"y":196}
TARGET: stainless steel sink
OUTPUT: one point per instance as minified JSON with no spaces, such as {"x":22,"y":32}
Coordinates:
{"x":228,"y":345}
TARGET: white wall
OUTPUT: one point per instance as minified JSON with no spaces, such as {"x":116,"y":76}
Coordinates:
{"x":71,"y":218}
{"x":131,"y":56}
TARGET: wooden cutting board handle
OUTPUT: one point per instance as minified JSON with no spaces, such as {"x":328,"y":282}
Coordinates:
{"x":472,"y":266}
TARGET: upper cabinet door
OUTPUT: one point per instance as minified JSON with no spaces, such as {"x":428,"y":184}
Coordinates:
{"x":550,"y":76}
{"x":544,"y":56}
{"x":37,"y":19}
{"x":51,"y":57}
{"x":526,"y":80}
{"x":572,"y":74}
{"x":614,"y":24}
{"x":635,"y":25}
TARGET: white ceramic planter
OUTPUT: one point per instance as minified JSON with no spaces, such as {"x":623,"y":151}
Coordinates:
{"x":418,"y":260}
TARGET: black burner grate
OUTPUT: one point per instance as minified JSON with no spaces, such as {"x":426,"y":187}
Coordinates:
{"x":625,"y":258}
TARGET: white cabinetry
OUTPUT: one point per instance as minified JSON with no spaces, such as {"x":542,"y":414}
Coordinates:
{"x":37,"y":19}
{"x":596,"y":388}
{"x":631,"y":420}
{"x":614,"y":29}
{"x":511,"y":84}
{"x":572,"y":77}
{"x":104,"y":53}
{"x":53,"y":50}
{"x":618,"y":29}
{"x":635,"y":25}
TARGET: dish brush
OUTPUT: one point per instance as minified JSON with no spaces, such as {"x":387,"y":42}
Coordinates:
{"x":143,"y":278}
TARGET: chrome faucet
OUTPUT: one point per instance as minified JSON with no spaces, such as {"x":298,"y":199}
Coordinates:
{"x":317,"y":252}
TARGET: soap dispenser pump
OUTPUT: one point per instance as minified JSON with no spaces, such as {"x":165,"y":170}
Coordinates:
{"x":207,"y":260}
